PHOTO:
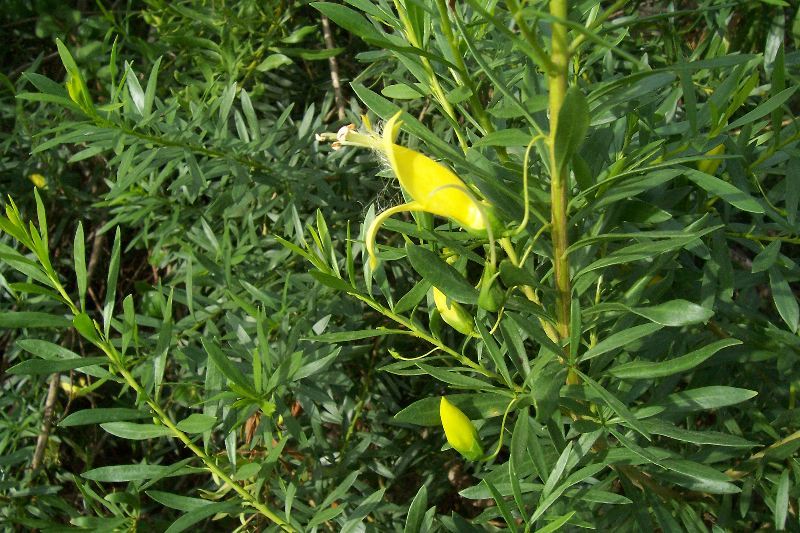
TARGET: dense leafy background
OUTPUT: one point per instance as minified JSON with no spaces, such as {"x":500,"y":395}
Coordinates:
{"x":242,"y":298}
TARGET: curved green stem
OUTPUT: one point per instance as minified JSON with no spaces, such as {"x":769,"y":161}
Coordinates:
{"x":502,"y":432}
{"x":372,"y":230}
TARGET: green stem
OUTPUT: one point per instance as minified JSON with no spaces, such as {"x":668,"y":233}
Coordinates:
{"x":540,"y":55}
{"x":763,"y":238}
{"x":528,"y":291}
{"x":559,"y":177}
{"x":462,"y":74}
{"x":580,"y":39}
{"x":464,"y":79}
{"x":115,"y":359}
{"x":416,"y":332}
{"x":436,"y":88}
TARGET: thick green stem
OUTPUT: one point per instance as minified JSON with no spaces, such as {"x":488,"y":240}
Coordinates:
{"x":559,"y":177}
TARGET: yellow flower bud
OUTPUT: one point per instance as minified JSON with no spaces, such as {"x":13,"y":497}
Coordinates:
{"x":452,"y":313}
{"x":460,"y":431}
{"x":710,"y":166}
{"x":38,"y":180}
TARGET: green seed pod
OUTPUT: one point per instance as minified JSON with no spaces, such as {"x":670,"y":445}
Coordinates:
{"x":490,"y":296}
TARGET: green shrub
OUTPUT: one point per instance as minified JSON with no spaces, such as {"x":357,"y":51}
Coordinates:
{"x":591,"y":255}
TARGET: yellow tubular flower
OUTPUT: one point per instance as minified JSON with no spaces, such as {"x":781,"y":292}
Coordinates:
{"x":452,"y":313}
{"x":433,"y":187}
{"x":460,"y":431}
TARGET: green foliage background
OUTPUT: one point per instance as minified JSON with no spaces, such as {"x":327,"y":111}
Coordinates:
{"x":196,"y":265}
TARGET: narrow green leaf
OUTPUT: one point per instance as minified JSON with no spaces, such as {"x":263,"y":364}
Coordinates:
{"x":412,"y":298}
{"x":764,"y":109}
{"x":340,"y":489}
{"x":573,"y":123}
{"x":111,"y":283}
{"x":650,"y":369}
{"x":792,"y":196}
{"x":125,"y":473}
{"x":556,"y":472}
{"x":174,"y":501}
{"x":85,"y":326}
{"x":53,"y":352}
{"x":225,"y":365}
{"x":726,"y":191}
{"x":782,"y":501}
{"x":712,"y":438}
{"x":784,"y":298}
{"x":620,"y":339}
{"x":349,"y":336}
{"x":698,"y":477}
{"x":501,"y":505}
{"x":675,"y":313}
{"x":572,"y":479}
{"x":441,"y":275}
{"x":348,"y":19}
{"x":80,"y":264}
{"x":43,"y":366}
{"x":534,"y":330}
{"x":197,"y":515}
{"x":197,"y":423}
{"x":507,"y":137}
{"x":766,"y":258}
{"x":454,"y":378}
{"x":401,"y":91}
{"x":617,"y":406}
{"x":133,"y":431}
{"x":273,"y":61}
{"x":103,"y":414}
{"x":495,"y":352}
{"x":41,"y":216}
{"x":556,"y":524}
{"x":416,"y":511}
{"x":31,"y":319}
{"x":135,"y":90}
{"x":705,"y":398}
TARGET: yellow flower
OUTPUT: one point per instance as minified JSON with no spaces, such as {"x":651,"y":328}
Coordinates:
{"x":452,"y":313}
{"x":433,"y":187}
{"x":460,"y":431}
